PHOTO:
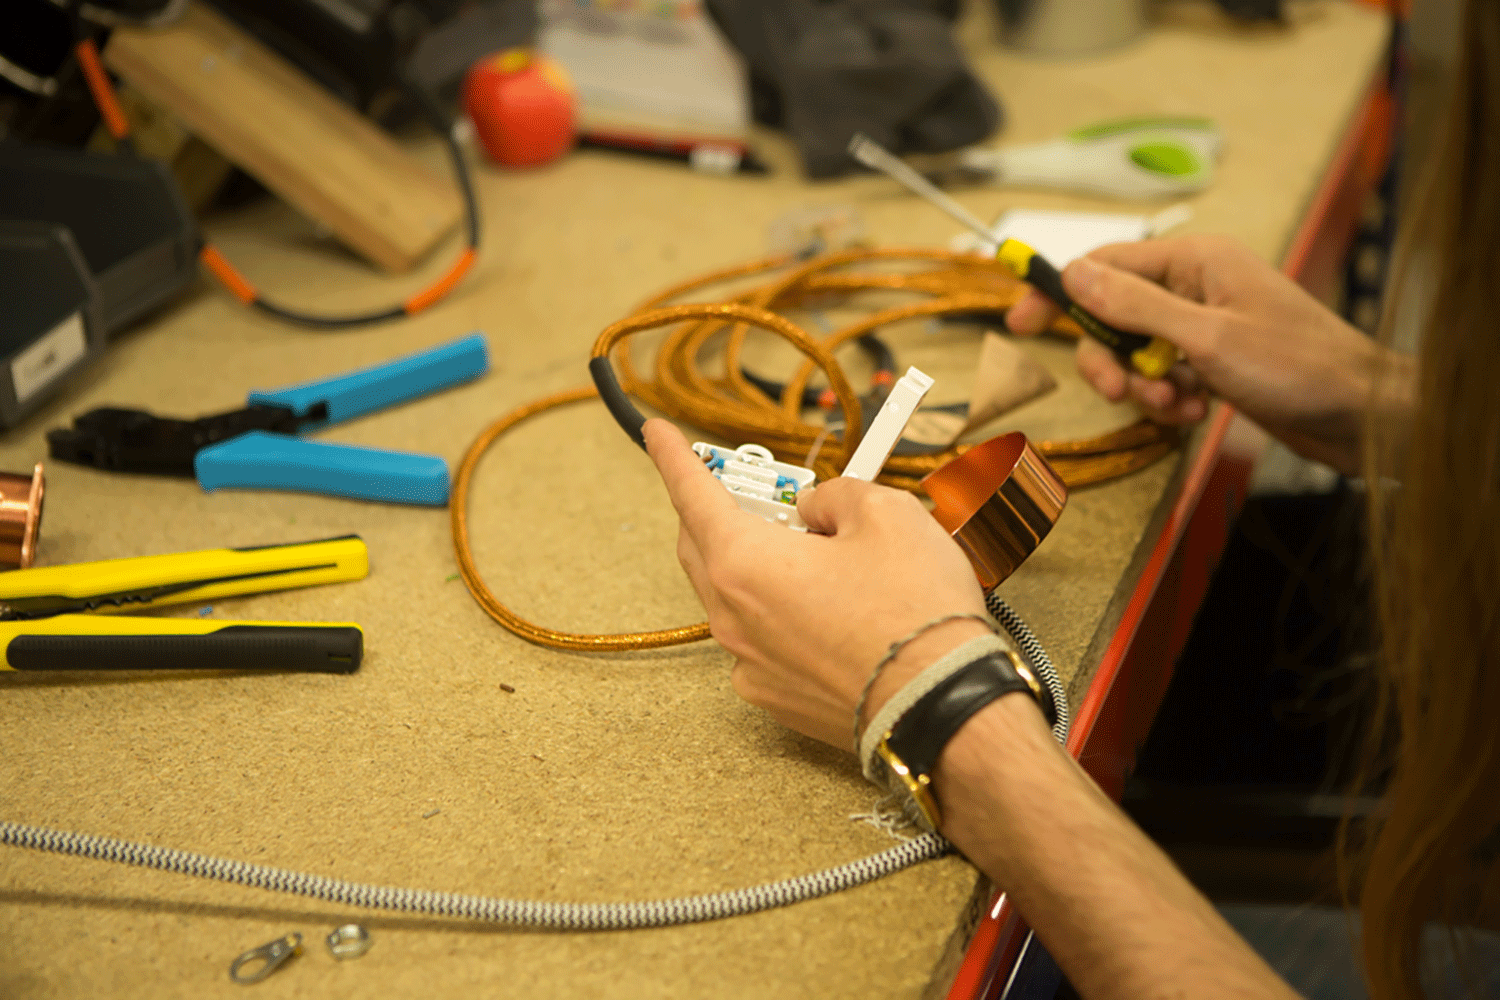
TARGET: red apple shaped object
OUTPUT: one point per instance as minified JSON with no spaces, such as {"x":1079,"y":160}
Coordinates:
{"x":522,"y":107}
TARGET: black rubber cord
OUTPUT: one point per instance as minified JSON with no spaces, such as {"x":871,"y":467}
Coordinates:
{"x":438,"y":119}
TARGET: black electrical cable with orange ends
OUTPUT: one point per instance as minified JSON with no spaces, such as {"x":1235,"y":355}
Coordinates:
{"x":236,"y":283}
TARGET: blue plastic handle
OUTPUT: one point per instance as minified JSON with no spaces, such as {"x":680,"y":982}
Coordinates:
{"x":368,"y":389}
{"x":261,"y":460}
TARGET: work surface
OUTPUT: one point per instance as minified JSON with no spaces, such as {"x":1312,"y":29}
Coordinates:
{"x":598,"y":778}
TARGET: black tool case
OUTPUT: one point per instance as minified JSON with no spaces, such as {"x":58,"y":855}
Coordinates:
{"x":88,"y":244}
{"x":49,"y":325}
{"x":127,"y":216}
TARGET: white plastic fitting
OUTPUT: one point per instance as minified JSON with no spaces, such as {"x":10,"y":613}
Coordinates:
{"x":767,"y":488}
{"x":880,"y":440}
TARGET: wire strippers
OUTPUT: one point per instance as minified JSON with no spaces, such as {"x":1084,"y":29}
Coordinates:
{"x":261,"y":447}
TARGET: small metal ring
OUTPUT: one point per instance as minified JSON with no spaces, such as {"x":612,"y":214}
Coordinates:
{"x":349,"y":941}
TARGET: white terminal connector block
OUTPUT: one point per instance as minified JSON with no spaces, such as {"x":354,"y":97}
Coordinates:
{"x":767,"y":488}
{"x":880,"y":440}
{"x":759,"y":484}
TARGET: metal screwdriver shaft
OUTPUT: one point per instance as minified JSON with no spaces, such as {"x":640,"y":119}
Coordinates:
{"x":1153,"y":357}
{"x":876,"y":157}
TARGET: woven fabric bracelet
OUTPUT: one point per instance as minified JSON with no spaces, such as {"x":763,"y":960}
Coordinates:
{"x":912,"y":691}
{"x":895,"y":650}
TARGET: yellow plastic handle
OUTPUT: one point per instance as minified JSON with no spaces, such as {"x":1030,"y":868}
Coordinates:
{"x":115,"y":585}
{"x":1155,"y":359}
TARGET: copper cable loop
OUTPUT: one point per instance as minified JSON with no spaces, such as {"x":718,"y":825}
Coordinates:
{"x":459,"y":512}
{"x":732,"y":408}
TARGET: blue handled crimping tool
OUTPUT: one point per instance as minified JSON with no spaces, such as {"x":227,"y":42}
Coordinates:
{"x":259,"y":447}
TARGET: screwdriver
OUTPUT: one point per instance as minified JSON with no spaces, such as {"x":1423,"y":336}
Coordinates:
{"x":67,"y":617}
{"x":1153,"y":357}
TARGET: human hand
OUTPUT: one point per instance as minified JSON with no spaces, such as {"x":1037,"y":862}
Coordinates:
{"x":1248,"y":333}
{"x":807,"y":616}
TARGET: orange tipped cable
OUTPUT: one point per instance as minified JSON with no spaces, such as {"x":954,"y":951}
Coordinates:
{"x":119,"y":126}
{"x":227,"y":275}
{"x":444,"y":285}
{"x":101,"y":89}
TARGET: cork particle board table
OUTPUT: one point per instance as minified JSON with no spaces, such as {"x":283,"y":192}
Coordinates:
{"x":608,"y":777}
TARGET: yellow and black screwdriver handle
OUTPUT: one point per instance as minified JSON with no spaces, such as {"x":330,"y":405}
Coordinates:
{"x":1153,"y":357}
{"x":47,"y":624}
{"x":89,"y":642}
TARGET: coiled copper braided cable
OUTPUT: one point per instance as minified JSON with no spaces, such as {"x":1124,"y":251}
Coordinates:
{"x":539,"y":634}
{"x":734,"y":409}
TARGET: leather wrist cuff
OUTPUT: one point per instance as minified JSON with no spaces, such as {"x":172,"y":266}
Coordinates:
{"x":910,"y":748}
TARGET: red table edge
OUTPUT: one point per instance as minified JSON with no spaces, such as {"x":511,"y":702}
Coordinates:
{"x":996,"y":940}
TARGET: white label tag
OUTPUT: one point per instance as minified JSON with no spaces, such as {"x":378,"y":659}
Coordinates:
{"x":49,"y":357}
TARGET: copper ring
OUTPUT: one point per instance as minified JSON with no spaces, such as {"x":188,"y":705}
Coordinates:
{"x":20,"y":516}
{"x":998,"y":500}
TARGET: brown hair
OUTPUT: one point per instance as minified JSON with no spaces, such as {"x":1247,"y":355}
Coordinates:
{"x":1437,"y":553}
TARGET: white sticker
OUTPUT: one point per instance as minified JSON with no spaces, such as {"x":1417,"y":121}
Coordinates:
{"x":712,"y":159}
{"x":48,"y":358}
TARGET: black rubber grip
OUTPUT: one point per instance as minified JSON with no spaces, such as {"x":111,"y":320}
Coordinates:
{"x":1048,"y":280}
{"x":624,"y":412}
{"x":297,"y":648}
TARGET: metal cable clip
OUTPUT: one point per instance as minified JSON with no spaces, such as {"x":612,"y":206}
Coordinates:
{"x":273,"y":954}
{"x":349,"y":941}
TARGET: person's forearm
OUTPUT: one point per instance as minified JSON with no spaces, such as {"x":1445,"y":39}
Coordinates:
{"x":1111,"y":908}
{"x":1382,"y":385}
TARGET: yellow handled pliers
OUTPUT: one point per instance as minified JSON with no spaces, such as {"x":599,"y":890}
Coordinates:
{"x":66,"y":617}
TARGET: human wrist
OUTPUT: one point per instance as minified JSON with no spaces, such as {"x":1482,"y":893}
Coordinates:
{"x":900,"y":747}
{"x":1374,"y":393}
{"x":919,"y":654}
{"x":915,"y":687}
{"x":998,"y":765}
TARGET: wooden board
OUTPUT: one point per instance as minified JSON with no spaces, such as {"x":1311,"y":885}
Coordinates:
{"x":313,"y":151}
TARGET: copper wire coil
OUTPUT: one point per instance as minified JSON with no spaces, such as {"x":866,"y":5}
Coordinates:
{"x":20,"y":516}
{"x":730,"y":406}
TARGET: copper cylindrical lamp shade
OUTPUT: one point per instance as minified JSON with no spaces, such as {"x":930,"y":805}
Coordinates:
{"x":998,"y":500}
{"x":20,"y":517}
